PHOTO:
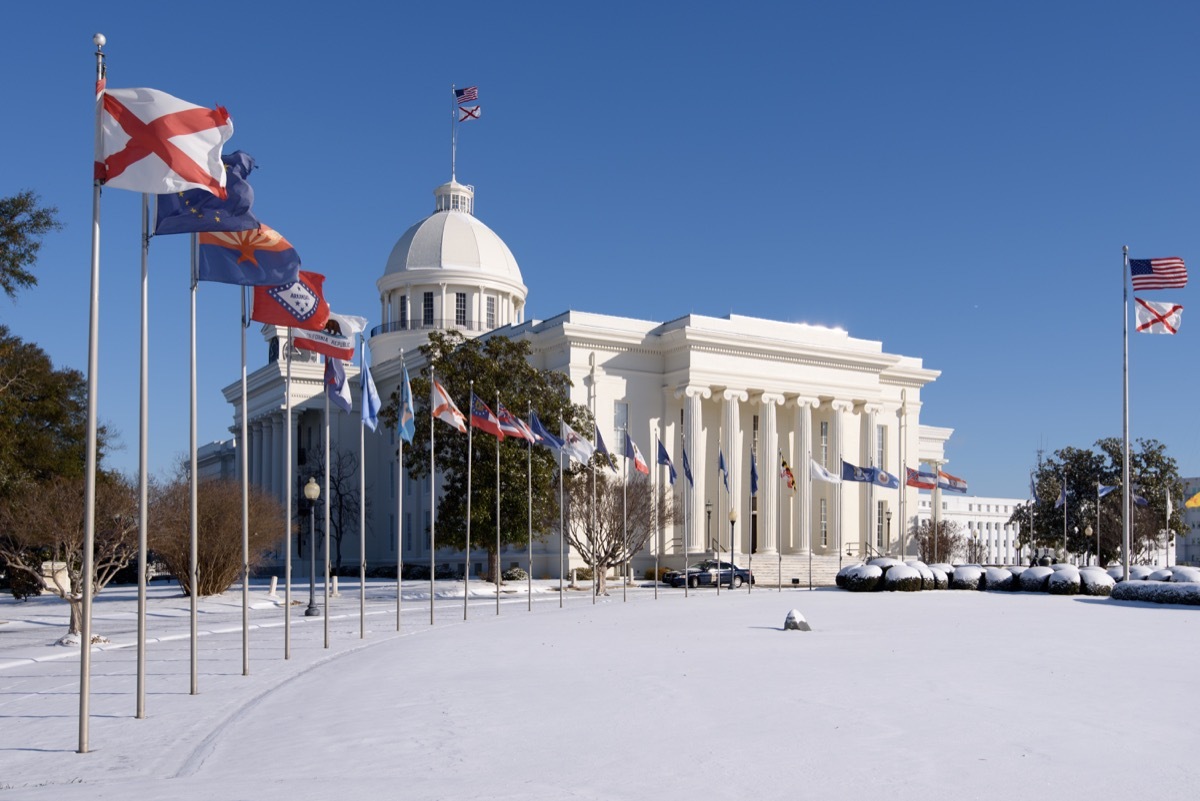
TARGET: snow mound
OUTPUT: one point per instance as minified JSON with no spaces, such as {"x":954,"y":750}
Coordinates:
{"x":966,"y":577}
{"x":927,"y":580}
{"x":1186,"y":574}
{"x":861,"y":578}
{"x":942,"y":566}
{"x":902,"y":578}
{"x":1159,"y":592}
{"x":1064,"y":581}
{"x":1116,"y":571}
{"x":884,"y":562}
{"x":1139,"y":572}
{"x":1095,"y":581}
{"x":840,"y":579}
{"x":1034,"y":579}
{"x":795,"y":622}
{"x":940,"y":580}
{"x":1162,"y":574}
{"x":997,"y":579}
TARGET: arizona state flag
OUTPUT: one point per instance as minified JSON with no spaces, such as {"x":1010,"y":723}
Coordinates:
{"x":300,"y":304}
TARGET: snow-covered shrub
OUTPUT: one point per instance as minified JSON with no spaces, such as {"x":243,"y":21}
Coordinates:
{"x":1159,"y":592}
{"x":862,"y":578}
{"x":927,"y":582}
{"x":942,"y":566}
{"x":1162,"y":574}
{"x":1034,"y":579}
{"x":996,"y":579}
{"x":902,"y":578}
{"x":1115,"y":571}
{"x":1064,"y":582}
{"x":966,"y":577}
{"x":840,"y":579}
{"x":514,"y":574}
{"x":884,"y":562}
{"x":1095,"y":581}
{"x":1182,"y":573}
{"x":1139,"y":572}
{"x":940,"y":580}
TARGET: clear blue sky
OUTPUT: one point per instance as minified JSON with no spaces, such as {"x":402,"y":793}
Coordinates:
{"x":954,"y":179}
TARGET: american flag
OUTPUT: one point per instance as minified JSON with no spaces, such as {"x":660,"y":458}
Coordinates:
{"x":1168,"y":273}
{"x":468,"y":95}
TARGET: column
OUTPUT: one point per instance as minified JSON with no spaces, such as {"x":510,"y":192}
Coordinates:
{"x":872,"y":411}
{"x":267,"y":464}
{"x":277,"y":459}
{"x":803,"y":501}
{"x":732,"y":446}
{"x":839,"y":505}
{"x":693,"y":443}
{"x":768,"y":475}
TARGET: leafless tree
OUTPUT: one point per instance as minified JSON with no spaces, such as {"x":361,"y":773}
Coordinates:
{"x":43,"y":525}
{"x":944,"y":547}
{"x":343,"y":497}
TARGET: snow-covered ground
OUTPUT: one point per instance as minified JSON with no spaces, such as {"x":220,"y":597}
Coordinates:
{"x":969,"y":695}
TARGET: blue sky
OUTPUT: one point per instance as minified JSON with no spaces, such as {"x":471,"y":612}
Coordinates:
{"x":954,"y":179}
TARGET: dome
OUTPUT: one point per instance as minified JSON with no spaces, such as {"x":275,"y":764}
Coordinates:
{"x":453,"y":239}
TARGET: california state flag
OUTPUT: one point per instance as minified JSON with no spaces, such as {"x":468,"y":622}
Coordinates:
{"x":149,"y":141}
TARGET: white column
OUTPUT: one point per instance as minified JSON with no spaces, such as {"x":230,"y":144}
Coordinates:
{"x":269,"y":453}
{"x":872,"y":517}
{"x":407,"y":305}
{"x":839,"y":504}
{"x":694,"y":442}
{"x":803,"y":501}
{"x":768,"y":475}
{"x":441,"y":310}
{"x":733,"y":462}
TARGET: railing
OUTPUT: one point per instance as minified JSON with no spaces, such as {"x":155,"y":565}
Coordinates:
{"x":420,"y":325}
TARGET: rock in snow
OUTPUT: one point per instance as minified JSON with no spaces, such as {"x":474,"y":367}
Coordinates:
{"x":795,"y":621}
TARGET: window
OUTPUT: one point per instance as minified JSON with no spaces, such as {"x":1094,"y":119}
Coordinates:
{"x":824,"y":523}
{"x":880,"y":446}
{"x":404,"y":311}
{"x":620,"y":424}
{"x":880,"y":511}
{"x":754,"y":429}
{"x":427,"y":309}
{"x":460,"y":308}
{"x":391,"y":527}
{"x":491,"y":313}
{"x":825,"y":444}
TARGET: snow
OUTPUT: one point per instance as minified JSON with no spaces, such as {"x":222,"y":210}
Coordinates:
{"x":613,"y":700}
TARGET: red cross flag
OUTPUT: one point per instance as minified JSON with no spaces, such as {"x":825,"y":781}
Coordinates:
{"x":469,"y":113}
{"x":1157,"y":318}
{"x":148,"y":141}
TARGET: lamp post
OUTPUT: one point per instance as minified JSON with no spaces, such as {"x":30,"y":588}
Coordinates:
{"x":732,"y":520}
{"x":312,"y":491}
{"x":1065,"y":551}
{"x":888,"y":517}
{"x":708,"y":522}
{"x":1088,"y":532}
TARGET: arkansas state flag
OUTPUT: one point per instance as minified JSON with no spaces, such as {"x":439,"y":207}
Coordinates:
{"x":483,"y":418}
{"x":632,"y":452}
{"x":256,"y":257}
{"x":296,"y":305}
{"x":149,"y":141}
{"x":336,"y":339}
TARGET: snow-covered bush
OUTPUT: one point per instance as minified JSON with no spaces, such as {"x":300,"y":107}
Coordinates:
{"x":1115,"y":571}
{"x":514,"y":574}
{"x":1034,"y":579}
{"x":1182,"y":573}
{"x":927,"y":582}
{"x":1064,"y":582}
{"x":966,"y":577}
{"x":884,"y":562}
{"x":1159,"y":592}
{"x":1095,"y":581}
{"x":840,"y":579}
{"x":902,"y":578}
{"x":1139,"y":572}
{"x":1162,"y":574}
{"x":940,"y":580}
{"x":942,"y":566}
{"x":862,"y":578}
{"x":997,"y":579}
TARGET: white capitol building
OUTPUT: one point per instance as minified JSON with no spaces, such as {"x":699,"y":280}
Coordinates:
{"x":725,"y":383}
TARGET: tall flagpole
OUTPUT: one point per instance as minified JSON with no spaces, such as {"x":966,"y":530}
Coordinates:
{"x":529,"y":499}
{"x":400,"y":496}
{"x":245,"y":464}
{"x":497,"y":576}
{"x":453,"y":132}
{"x":562,"y":532}
{"x":143,"y":460}
{"x":470,"y":462}
{"x":688,"y":491}
{"x":903,"y":469}
{"x":89,"y":504}
{"x":362,"y":494}
{"x":654,"y":512}
{"x":1125,"y":538}
{"x":432,"y":499}
{"x":328,"y":503}
{"x":193,"y":502}
{"x":625,"y":523}
{"x":287,"y":506}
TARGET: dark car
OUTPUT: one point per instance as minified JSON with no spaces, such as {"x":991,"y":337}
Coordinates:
{"x":709,"y":573}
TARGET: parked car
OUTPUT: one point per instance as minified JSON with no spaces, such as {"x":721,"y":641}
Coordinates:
{"x":709,"y":573}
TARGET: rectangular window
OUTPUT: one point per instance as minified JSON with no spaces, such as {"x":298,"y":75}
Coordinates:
{"x":754,"y":428}
{"x":825,"y":444}
{"x":491,"y":313}
{"x":620,"y":424}
{"x":824,"y":523}
{"x":392,"y":527}
{"x":404,"y":311}
{"x":881,"y":446}
{"x":460,"y":308}
{"x":427,"y":309}
{"x":880,"y":513}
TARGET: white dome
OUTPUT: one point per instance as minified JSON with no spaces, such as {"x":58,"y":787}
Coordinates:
{"x":454,"y":240}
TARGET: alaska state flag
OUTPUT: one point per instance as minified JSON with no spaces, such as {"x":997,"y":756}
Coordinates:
{"x":258,"y":257}
{"x":198,"y":210}
{"x":300,"y":304}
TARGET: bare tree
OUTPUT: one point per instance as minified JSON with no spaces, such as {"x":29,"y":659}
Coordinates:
{"x":621,"y":524}
{"x":343,"y":497}
{"x":975,"y":548}
{"x":42,"y":536}
{"x":944,"y":547}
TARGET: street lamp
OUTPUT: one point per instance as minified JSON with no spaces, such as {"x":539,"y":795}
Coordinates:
{"x":708,"y":522}
{"x":732,"y":520}
{"x":1088,"y":532}
{"x":1065,"y":551}
{"x":888,"y":517}
{"x":312,"y":491}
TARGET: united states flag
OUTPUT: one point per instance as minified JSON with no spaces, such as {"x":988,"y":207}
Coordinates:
{"x":468,"y":95}
{"x":1169,"y":273}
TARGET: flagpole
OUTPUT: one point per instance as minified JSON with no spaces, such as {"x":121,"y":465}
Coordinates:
{"x":808,"y":494}
{"x":562,"y":533}
{"x":688,"y":491}
{"x":497,"y":576}
{"x":453,"y":132}
{"x":143,"y":460}
{"x":470,"y":462}
{"x":432,"y":498}
{"x":654,"y":514}
{"x":529,"y":497}
{"x":328,"y":503}
{"x":193,"y":504}
{"x":362,"y":493}
{"x":1125,"y":538}
{"x":904,"y":469}
{"x":625,"y":522}
{"x":245,"y":465}
{"x":89,"y":505}
{"x":779,"y":528}
{"x":1063,"y":479}
{"x":287,"y":504}
{"x":400,"y":493}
